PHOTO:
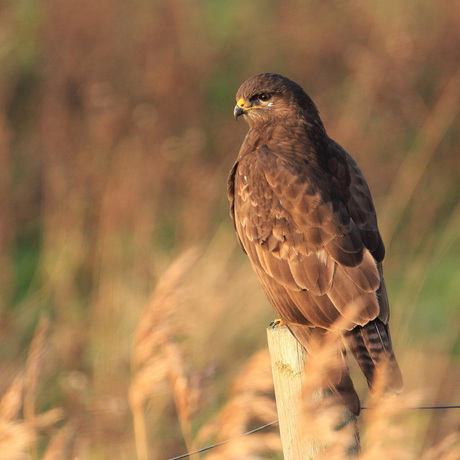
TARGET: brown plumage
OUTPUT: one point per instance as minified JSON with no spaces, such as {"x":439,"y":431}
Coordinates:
{"x":304,"y":215}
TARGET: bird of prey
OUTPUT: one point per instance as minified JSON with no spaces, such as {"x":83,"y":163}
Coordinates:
{"x":304,"y":215}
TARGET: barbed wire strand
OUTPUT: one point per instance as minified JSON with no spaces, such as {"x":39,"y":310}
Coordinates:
{"x":260,"y":428}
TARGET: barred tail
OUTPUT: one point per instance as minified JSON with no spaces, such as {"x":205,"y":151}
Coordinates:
{"x":372,"y":349}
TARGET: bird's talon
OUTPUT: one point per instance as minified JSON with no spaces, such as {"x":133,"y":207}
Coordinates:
{"x":276,"y":323}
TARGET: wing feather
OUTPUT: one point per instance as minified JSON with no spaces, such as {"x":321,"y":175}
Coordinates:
{"x":307,"y":240}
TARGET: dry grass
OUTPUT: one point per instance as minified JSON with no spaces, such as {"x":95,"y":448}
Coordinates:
{"x":19,"y":422}
{"x":116,"y":137}
{"x":250,"y":404}
{"x":156,"y":357}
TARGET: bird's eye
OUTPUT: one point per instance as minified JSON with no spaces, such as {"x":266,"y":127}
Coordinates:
{"x":264,"y":97}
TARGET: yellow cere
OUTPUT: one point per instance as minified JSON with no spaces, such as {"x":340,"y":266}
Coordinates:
{"x":241,"y":104}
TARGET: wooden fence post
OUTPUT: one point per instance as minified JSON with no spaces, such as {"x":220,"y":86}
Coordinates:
{"x":288,"y":365}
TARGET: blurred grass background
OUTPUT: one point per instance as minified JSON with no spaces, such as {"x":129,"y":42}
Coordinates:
{"x":116,"y":138}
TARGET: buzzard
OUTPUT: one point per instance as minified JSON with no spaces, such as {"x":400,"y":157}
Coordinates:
{"x":304,"y":215}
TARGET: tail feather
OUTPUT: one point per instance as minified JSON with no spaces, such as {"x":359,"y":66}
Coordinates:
{"x":372,"y":349}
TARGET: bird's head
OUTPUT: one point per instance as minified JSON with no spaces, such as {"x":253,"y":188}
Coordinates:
{"x":270,"y":97}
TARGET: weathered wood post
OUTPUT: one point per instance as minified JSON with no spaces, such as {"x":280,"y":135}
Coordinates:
{"x":288,"y":360}
{"x":288,"y":363}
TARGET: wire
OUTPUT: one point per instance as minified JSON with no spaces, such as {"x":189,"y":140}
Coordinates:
{"x":424,"y":407}
{"x":260,"y":428}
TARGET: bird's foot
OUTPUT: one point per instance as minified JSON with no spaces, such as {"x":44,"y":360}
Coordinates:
{"x":277,"y":323}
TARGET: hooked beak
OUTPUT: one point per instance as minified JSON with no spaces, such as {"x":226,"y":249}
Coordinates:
{"x":239,"y":109}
